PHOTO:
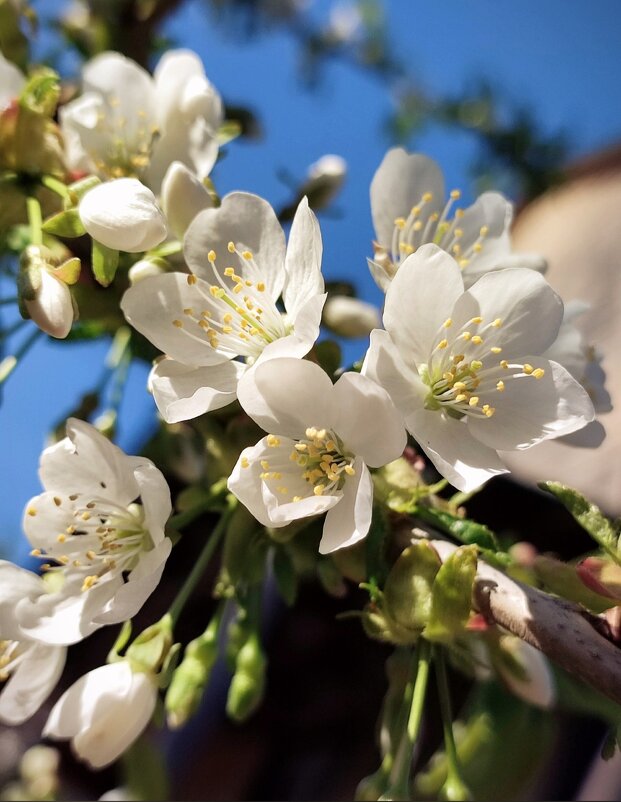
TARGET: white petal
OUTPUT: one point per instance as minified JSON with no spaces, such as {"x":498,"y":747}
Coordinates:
{"x":286,"y":396}
{"x":457,"y":455}
{"x":11,"y":82}
{"x":538,"y":687}
{"x":250,"y":223}
{"x":290,"y":346}
{"x":382,"y":276}
{"x":87,"y":462}
{"x":399,"y":184}
{"x":183,"y":197}
{"x":154,"y":495}
{"x":531,"y":410}
{"x":125,"y":84}
{"x":182,"y":392}
{"x":420,"y":298}
{"x":193,"y":144}
{"x":384,"y":364}
{"x":349,"y":521}
{"x":530,"y":311}
{"x":52,"y":308}
{"x":303,"y":260}
{"x":122,"y":214}
{"x":350,"y":317}
{"x":367,"y":420}
{"x":492,"y":210}
{"x":183,"y":90}
{"x":33,"y":681}
{"x":152,"y":306}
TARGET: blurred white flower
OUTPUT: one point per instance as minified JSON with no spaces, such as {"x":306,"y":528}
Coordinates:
{"x":11,"y":82}
{"x":526,"y":672}
{"x":225,"y":310}
{"x":465,"y":367}
{"x":29,"y":669}
{"x":127,"y":123}
{"x":350,"y":317}
{"x":324,"y":179}
{"x":103,"y":712}
{"x":100,"y":524}
{"x":322,"y":437}
{"x":409,"y":209}
{"x":123,"y":214}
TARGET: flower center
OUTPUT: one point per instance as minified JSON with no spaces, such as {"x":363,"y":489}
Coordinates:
{"x":128,"y":142}
{"x":463,"y":373}
{"x":422,"y":226}
{"x":239,"y":317}
{"x":103,"y":538}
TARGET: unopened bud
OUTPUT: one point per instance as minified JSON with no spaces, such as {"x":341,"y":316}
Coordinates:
{"x":145,"y":268}
{"x":43,"y":291}
{"x":150,"y":649}
{"x":189,"y":680}
{"x":350,"y":317}
{"x":248,"y":683}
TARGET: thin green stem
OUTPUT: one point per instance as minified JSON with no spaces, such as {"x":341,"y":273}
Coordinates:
{"x":56,"y":186}
{"x":35,"y":220}
{"x":202,"y":562}
{"x":454,"y":772}
{"x":414,"y":698}
{"x":182,"y":519}
{"x":167,"y":249}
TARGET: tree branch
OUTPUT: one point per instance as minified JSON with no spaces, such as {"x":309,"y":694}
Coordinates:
{"x":563,"y":631}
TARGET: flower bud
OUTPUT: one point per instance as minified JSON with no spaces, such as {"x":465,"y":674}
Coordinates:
{"x":145,"y":268}
{"x":122,"y":214}
{"x":189,"y":680}
{"x":350,"y":317}
{"x":248,"y":683}
{"x":150,"y":649}
{"x":43,"y":290}
{"x":325,"y":178}
{"x":183,"y":197}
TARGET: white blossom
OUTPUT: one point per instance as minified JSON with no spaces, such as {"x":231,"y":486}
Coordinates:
{"x":104,"y":712}
{"x":222,"y":318}
{"x":321,"y":439}
{"x":531,"y":678}
{"x":29,"y":669}
{"x":409,"y":209}
{"x":48,"y":299}
{"x":11,"y":82}
{"x":123,"y":214}
{"x":127,"y":123}
{"x":183,"y":197}
{"x":324,"y":179}
{"x":465,"y":367}
{"x":100,"y":527}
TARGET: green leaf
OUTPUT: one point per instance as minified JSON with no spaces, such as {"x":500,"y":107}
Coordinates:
{"x":41,"y":92}
{"x":105,"y":262}
{"x":562,"y":579}
{"x":465,"y":530}
{"x":408,"y":589}
{"x":65,"y":224}
{"x":451,"y":595}
{"x":588,"y":515}
{"x":286,"y":579}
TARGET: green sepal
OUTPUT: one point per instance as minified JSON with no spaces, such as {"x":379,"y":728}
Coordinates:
{"x":69,"y":271}
{"x":451,"y":595}
{"x":65,"y":224}
{"x":122,"y":639}
{"x":105,"y":262}
{"x":80,"y":187}
{"x":150,"y":649}
{"x":560,"y":578}
{"x":285,"y":576}
{"x":408,"y":590}
{"x":588,"y":515}
{"x":229,"y":130}
{"x":41,"y":92}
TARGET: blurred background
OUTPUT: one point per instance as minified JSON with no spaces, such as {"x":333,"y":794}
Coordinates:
{"x":523,"y":98}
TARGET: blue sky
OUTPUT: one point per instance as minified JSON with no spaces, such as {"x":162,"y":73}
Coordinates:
{"x":562,"y":59}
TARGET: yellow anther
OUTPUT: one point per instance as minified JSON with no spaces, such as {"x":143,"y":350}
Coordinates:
{"x":216,"y":292}
{"x":455,"y":194}
{"x":406,"y":248}
{"x":496,"y":349}
{"x":283,"y":490}
{"x":417,"y":226}
{"x":57,"y":501}
{"x":91,"y":555}
{"x":528,"y":369}
{"x":458,"y":232}
{"x":203,"y":324}
{"x":476,"y":364}
{"x":477,"y":340}
{"x":466,"y":335}
{"x":35,"y":553}
{"x":473,"y":401}
{"x":318,"y":490}
{"x":265,"y":465}
{"x":539,"y":373}
{"x":477,"y":320}
{"x":400,"y":222}
{"x":311,"y":432}
{"x":504,"y":364}
{"x":244,"y":462}
{"x":428,"y":196}
{"x":89,"y":582}
{"x":227,"y":329}
{"x":227,"y":318}
{"x":477,"y":247}
{"x":188,"y":311}
{"x":211,"y":256}
{"x":500,"y":386}
{"x":261,"y":286}
{"x":61,"y":538}
{"x":247,"y":255}
{"x":238,"y":288}
{"x":458,"y":358}
{"x":300,"y":447}
{"x":448,"y":377}
{"x":273,"y":441}
{"x":484,"y":231}
{"x":447,"y":323}
{"x":191,"y":279}
{"x":350,"y":470}
{"x":297,"y":498}
{"x":331,"y":445}
{"x":31,"y":511}
{"x":497,"y":323}
{"x":456,"y":249}
{"x":459,"y":386}
{"x":415,"y":211}
{"x":231,"y":247}
{"x":85,"y":516}
{"x":488,"y":411}
{"x":461,"y":397}
{"x":229,"y":271}
{"x":443,"y":344}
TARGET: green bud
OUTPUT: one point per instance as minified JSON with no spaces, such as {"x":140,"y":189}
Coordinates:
{"x":190,"y":678}
{"x":455,"y":790}
{"x":371,"y":788}
{"x":408,"y":590}
{"x":148,"y":652}
{"x":248,"y":683}
{"x":451,"y":595}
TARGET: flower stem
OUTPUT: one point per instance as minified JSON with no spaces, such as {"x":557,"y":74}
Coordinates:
{"x":56,"y":186}
{"x":35,"y":220}
{"x":455,"y":788}
{"x":415,"y":692}
{"x":202,"y":562}
{"x":182,"y":519}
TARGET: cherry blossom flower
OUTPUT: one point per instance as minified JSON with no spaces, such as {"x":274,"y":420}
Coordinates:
{"x":321,"y":439}
{"x":104,"y":712}
{"x":123,"y":214}
{"x":127,"y":123}
{"x":409,"y":209}
{"x":29,"y":669}
{"x":100,"y":527}
{"x":222,"y":318}
{"x":465,"y":367}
